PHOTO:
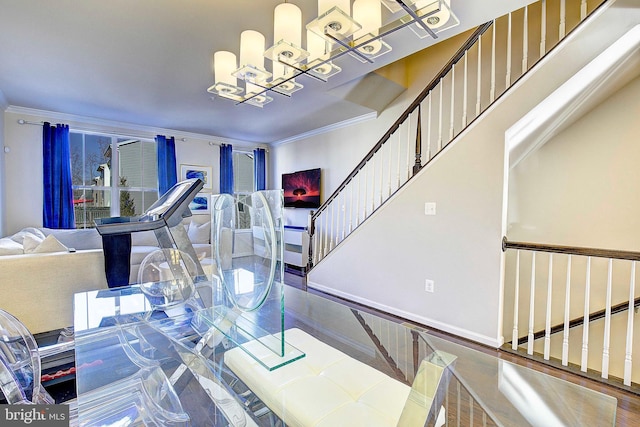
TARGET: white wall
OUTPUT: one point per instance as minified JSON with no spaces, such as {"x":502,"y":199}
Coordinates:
{"x":386,"y":261}
{"x":22,"y":170}
{"x":581,"y":188}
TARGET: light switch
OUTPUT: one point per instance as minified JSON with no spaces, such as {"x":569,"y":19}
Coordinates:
{"x":430,"y":208}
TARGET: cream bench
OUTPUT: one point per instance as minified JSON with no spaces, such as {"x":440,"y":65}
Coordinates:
{"x":326,"y":388}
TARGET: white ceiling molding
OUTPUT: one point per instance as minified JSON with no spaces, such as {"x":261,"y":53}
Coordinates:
{"x":363,"y":118}
{"x":609,"y":71}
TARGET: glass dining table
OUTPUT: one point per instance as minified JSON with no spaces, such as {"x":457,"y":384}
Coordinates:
{"x":197,"y":364}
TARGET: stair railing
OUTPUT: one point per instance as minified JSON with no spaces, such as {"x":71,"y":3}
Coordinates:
{"x":564,"y":285}
{"x":488,"y":63}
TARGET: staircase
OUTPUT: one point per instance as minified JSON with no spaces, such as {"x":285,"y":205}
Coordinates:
{"x":492,"y":60}
{"x":484,"y":70}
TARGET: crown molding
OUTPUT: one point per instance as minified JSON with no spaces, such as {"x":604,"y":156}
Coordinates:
{"x":363,"y":118}
{"x":100,"y":125}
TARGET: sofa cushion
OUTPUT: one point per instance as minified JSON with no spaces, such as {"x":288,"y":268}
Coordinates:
{"x":80,"y":239}
{"x":34,"y":245}
{"x":138,"y":253}
{"x":144,"y":238}
{"x":10,"y":247}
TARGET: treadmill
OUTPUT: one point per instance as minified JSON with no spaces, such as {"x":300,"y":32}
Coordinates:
{"x":164,"y":218}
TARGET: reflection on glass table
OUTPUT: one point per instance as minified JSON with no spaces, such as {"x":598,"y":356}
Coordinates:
{"x":407,"y":375}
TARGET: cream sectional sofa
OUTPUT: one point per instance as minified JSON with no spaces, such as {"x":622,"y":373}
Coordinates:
{"x":41,"y":269}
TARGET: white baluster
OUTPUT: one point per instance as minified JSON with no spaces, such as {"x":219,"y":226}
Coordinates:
{"x":465,"y":89}
{"x":399,"y":150}
{"x":319,"y":237}
{"x":359,"y":176}
{"x":509,"y":35}
{"x":543,"y":28}
{"x":325,"y":222}
{"x":390,"y":157}
{"x":381,"y":155}
{"x":585,"y":325}
{"x":547,"y":327}
{"x":532,"y":304}
{"x":567,"y":307}
{"x":373,"y":184}
{"x":492,"y":92}
{"x":353,"y":184}
{"x":429,"y":128}
{"x":453,"y":102}
{"x":365,"y":192}
{"x":516,"y":300}
{"x":525,"y":41}
{"x":409,"y":154}
{"x":563,"y":20}
{"x":344,"y":213}
{"x":630,"y":312}
{"x":607,"y":323}
{"x":440,"y":118}
{"x":583,"y":10}
{"x":479,"y":78}
{"x":314,"y":241}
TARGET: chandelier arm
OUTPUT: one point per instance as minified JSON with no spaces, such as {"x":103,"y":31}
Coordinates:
{"x":304,"y":71}
{"x":349,"y":48}
{"x":418,"y":19}
{"x":264,"y":91}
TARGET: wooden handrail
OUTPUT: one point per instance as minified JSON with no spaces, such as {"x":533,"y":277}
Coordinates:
{"x":571,"y":250}
{"x":421,"y":97}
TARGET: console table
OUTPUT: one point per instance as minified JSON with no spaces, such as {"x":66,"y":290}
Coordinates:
{"x":127,"y":355}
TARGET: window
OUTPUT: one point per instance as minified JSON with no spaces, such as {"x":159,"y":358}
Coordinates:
{"x":243,"y":185}
{"x":111,"y":176}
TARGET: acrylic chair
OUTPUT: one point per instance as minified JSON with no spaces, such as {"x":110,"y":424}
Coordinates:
{"x":20,"y":364}
{"x":144,"y":398}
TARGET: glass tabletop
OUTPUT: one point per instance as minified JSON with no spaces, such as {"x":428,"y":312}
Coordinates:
{"x":178,"y":367}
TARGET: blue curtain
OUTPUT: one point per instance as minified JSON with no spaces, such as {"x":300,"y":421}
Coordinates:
{"x":167,"y":173}
{"x":259,"y":169}
{"x":226,"y":169}
{"x":57,"y":211}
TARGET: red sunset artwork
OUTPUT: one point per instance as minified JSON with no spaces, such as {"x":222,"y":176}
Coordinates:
{"x":302,"y":189}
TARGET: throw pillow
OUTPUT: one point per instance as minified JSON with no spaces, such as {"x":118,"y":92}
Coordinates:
{"x":29,"y":231}
{"x":199,"y":233}
{"x":10,"y":247}
{"x":32,"y":245}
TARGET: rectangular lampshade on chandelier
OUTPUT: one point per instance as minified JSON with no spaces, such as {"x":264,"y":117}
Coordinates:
{"x":342,"y":27}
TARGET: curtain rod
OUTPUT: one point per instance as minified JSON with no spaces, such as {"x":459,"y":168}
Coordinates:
{"x":211,"y":143}
{"x":77,"y":128}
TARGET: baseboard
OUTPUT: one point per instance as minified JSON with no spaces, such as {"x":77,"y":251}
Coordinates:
{"x":433,"y":323}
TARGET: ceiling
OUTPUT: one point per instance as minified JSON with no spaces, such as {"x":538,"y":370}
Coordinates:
{"x":149,"y":63}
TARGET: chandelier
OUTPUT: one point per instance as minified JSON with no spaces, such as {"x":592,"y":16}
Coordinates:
{"x":338,"y":30}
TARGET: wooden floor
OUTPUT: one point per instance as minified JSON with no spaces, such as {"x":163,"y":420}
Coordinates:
{"x":628,"y":410}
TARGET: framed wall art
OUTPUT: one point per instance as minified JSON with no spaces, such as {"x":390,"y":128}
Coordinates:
{"x":200,"y":204}
{"x":194,"y":171}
